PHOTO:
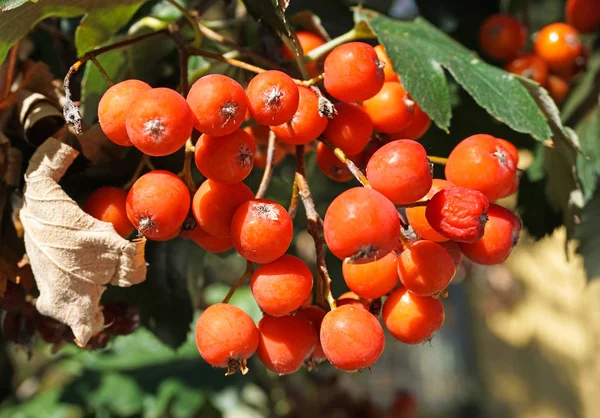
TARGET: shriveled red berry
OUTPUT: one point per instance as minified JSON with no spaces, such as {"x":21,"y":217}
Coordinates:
{"x":272,"y":98}
{"x":391,"y":110}
{"x":352,"y":338}
{"x":315,"y":315}
{"x":410,"y":318}
{"x":332,"y":167}
{"x":353,"y":73}
{"x":226,"y":337}
{"x":502,"y":36}
{"x":52,"y":331}
{"x":120,"y":318}
{"x":113,"y":108}
{"x":206,"y":241}
{"x":281,"y":286}
{"x":157,"y":204}
{"x":372,"y":280}
{"x":307,"y":124}
{"x":426,"y":268}
{"x":351,"y":129}
{"x":458,"y":213}
{"x":227,"y":159}
{"x":361,"y":224}
{"x":483,"y":163}
{"x":416,"y":215}
{"x":108,"y":204}
{"x":218,"y":103}
{"x":285,"y":342}
{"x":159,"y":122}
{"x":261,"y":230}
{"x":500,"y":235}
{"x":400,"y":171}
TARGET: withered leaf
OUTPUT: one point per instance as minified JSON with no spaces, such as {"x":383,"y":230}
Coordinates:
{"x":73,"y":256}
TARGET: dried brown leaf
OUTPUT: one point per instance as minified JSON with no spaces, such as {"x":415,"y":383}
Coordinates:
{"x":38,"y":115}
{"x":73,"y":256}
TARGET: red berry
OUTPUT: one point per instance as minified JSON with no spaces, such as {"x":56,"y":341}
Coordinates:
{"x":361,"y":224}
{"x":120,"y":318}
{"x":207,"y":242}
{"x":483,"y":163}
{"x":108,"y":204}
{"x":417,"y":127}
{"x":511,"y":148}
{"x":261,"y":230}
{"x":454,"y":250}
{"x":52,"y":331}
{"x":502,"y":36}
{"x":159,"y":122}
{"x":458,"y":213}
{"x":315,"y":315}
{"x":285,"y":342}
{"x":372,"y":280}
{"x":157,"y":204}
{"x":529,"y":66}
{"x":281,"y":286}
{"x":426,"y":268}
{"x":113,"y":108}
{"x":416,"y":215}
{"x":391,"y":110}
{"x":215,"y":203}
{"x":500,"y":235}
{"x":332,"y":167}
{"x":400,"y":171}
{"x":583,"y":15}
{"x":410,"y":318}
{"x":308,"y":41}
{"x":260,"y":134}
{"x":559,"y":45}
{"x":351,"y":129}
{"x":218,"y":103}
{"x":558,"y":88}
{"x":388,"y":69}
{"x":272,"y":98}
{"x":307,"y":124}
{"x":352,"y":338}
{"x":351,"y":298}
{"x":226,"y":337}
{"x":353,"y":73}
{"x":225,"y":159}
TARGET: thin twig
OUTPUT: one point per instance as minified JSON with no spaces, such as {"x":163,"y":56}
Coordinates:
{"x":231,"y":61}
{"x":319,"y":52}
{"x":420,"y":203}
{"x":192,"y":21}
{"x":144,"y":163}
{"x":102,"y":71}
{"x":269,"y":166}
{"x":247,"y":274}
{"x":293,"y":208}
{"x":225,"y":23}
{"x":437,"y":160}
{"x":186,"y":172}
{"x":348,"y":163}
{"x":315,"y":223}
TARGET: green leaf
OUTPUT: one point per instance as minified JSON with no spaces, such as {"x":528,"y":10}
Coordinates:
{"x":588,"y":164}
{"x":6,"y":5}
{"x":98,"y":26}
{"x":419,"y":53}
{"x":588,"y":235}
{"x":16,"y":23}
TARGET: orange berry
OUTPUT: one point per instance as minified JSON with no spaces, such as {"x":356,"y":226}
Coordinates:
{"x":426,"y":268}
{"x":372,"y":280}
{"x":261,"y":230}
{"x":583,"y":15}
{"x":351,"y":129}
{"x":260,"y":134}
{"x":332,"y":167}
{"x":272,"y":98}
{"x":417,"y":219}
{"x":417,"y":127}
{"x":502,"y":36}
{"x":208,"y":242}
{"x":558,"y":88}
{"x":308,"y":41}
{"x":108,"y":204}
{"x":558,"y":44}
{"x":113,"y":108}
{"x":159,"y":122}
{"x":215,"y":203}
{"x":353,"y":73}
{"x":454,"y":250}
{"x":390,"y":109}
{"x":388,"y":68}
{"x":218,"y":103}
{"x":226,"y":159}
{"x":315,"y":315}
{"x":529,"y":66}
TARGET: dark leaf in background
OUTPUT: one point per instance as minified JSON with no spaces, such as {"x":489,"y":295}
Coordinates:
{"x":588,"y":235}
{"x":588,"y":164}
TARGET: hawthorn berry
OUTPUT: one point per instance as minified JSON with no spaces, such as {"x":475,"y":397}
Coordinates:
{"x":388,"y":69}
{"x":390,"y":110}
{"x":218,"y":104}
{"x":400,"y":171}
{"x":353,"y":72}
{"x":285,"y":342}
{"x":108,"y":205}
{"x":558,"y":44}
{"x":281,"y":286}
{"x":530,"y":66}
{"x":502,"y":36}
{"x":372,"y":280}
{"x":351,"y":298}
{"x":454,"y":250}
{"x":425,"y":268}
{"x":308,"y":41}
{"x":500,"y":235}
{"x":272,"y":98}
{"x":261,"y":230}
{"x":226,"y":159}
{"x":583,"y":15}
{"x":159,"y":122}
{"x":157,"y":204}
{"x":351,"y":129}
{"x":315,"y":315}
{"x":416,"y":215}
{"x":206,"y":241}
{"x":260,"y":134}
{"x":226,"y":337}
{"x":113,"y":108}
{"x":417,"y":127}
{"x":375,"y":226}
{"x":352,"y":338}
{"x":458,"y":213}
{"x":410,"y":318}
{"x":483,"y":163}
{"x":307,"y":124}
{"x":332,"y":167}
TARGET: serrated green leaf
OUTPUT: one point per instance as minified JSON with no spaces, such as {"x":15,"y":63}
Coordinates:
{"x":419,"y":52}
{"x":16,"y":23}
{"x":98,"y":26}
{"x":587,"y":234}
{"x":588,"y":164}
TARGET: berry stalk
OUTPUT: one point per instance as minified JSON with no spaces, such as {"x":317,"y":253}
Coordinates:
{"x":362,"y":179}
{"x":244,"y":277}
{"x":269,"y":166}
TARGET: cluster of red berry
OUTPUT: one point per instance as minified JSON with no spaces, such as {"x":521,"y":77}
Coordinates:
{"x":362,"y":227}
{"x":558,"y":53}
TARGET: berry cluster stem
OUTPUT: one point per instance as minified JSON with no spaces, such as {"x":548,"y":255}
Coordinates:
{"x":352,"y":35}
{"x":144,"y":163}
{"x":186,"y":172}
{"x":192,"y":21}
{"x":437,"y":160}
{"x":294,"y":201}
{"x":246,"y":276}
{"x":351,"y":166}
{"x":268,"y":173}
{"x":315,"y":229}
